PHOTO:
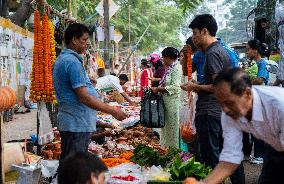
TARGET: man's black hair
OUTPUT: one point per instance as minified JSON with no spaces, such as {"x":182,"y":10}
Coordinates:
{"x":262,"y":48}
{"x":191,"y":44}
{"x":145,"y":63}
{"x":205,"y":21}
{"x":236,"y":78}
{"x":101,"y":72}
{"x":78,"y":167}
{"x":123,"y":77}
{"x":170,"y":52}
{"x":74,"y":30}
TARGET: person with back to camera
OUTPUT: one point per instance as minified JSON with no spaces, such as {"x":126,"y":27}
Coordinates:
{"x":158,"y":67}
{"x":145,"y":78}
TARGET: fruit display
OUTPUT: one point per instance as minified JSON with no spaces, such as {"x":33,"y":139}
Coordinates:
{"x":7,"y":98}
{"x":43,"y":57}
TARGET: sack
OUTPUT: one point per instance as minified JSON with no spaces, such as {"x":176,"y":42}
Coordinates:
{"x":152,"y":114}
{"x":187,"y":126}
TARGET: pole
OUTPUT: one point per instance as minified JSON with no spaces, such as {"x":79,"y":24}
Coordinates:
{"x":133,"y":50}
{"x":129,"y":27}
{"x":2,"y":178}
{"x":69,"y":10}
{"x":116,"y":52}
{"x":75,"y":9}
{"x":106,"y":31}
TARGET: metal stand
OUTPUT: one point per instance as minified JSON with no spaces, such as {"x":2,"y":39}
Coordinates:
{"x":37,"y":129}
{"x":2,"y":173}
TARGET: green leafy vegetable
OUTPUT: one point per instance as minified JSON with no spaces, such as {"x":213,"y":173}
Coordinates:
{"x":180,"y":170}
{"x":146,"y":156}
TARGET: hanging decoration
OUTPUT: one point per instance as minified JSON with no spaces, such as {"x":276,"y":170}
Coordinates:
{"x":189,"y":62}
{"x":43,"y":57}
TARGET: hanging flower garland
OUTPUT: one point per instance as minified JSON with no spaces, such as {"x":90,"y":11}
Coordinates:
{"x":43,"y":58}
{"x":189,"y":62}
{"x":52,"y":42}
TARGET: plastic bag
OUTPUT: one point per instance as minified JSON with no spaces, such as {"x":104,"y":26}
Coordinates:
{"x":187,"y":126}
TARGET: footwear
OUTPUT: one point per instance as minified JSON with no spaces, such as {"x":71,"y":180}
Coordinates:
{"x":256,"y":160}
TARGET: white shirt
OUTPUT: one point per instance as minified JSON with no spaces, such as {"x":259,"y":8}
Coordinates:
{"x":109,"y":81}
{"x":267,"y":123}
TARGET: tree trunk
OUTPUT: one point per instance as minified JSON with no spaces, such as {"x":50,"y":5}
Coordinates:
{"x":23,"y":13}
{"x":4,"y":9}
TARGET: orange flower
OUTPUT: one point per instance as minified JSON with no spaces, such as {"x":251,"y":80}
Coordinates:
{"x":189,"y":63}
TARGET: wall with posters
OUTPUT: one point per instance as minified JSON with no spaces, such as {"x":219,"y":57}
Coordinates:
{"x":16,"y":52}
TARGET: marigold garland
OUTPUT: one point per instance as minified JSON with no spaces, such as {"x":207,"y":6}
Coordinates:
{"x":189,"y":62}
{"x":43,"y":58}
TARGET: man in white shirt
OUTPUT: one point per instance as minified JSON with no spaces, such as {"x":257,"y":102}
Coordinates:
{"x":112,"y":82}
{"x":254,"y":109}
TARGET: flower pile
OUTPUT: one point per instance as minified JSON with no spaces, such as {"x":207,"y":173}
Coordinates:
{"x":43,"y":57}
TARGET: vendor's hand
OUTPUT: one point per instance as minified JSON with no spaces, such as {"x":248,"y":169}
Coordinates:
{"x":192,"y":181}
{"x":155,"y":89}
{"x":119,"y":114}
{"x":190,"y":86}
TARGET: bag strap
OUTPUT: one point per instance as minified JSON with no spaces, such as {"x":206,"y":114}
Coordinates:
{"x":190,"y":105}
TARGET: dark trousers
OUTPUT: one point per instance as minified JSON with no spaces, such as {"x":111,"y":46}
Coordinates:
{"x":258,"y":147}
{"x":247,"y":144}
{"x":209,"y":130}
{"x":272,"y":169}
{"x":72,"y":142}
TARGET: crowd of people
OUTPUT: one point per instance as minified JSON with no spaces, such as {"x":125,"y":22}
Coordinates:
{"x":230,"y":109}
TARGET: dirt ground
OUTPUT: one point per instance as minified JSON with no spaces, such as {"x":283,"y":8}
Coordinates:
{"x":24,"y":125}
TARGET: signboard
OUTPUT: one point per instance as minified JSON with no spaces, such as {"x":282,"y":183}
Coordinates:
{"x":113,"y":8}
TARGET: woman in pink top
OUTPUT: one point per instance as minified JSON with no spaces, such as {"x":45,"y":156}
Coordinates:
{"x":146,"y":74}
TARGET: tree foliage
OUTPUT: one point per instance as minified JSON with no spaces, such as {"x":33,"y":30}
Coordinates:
{"x":236,"y":26}
{"x":165,"y":17}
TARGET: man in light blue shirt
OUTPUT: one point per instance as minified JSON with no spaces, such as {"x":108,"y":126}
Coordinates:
{"x":77,"y":99}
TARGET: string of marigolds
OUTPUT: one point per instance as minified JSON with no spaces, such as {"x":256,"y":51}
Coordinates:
{"x":44,"y":56}
{"x":189,"y":62}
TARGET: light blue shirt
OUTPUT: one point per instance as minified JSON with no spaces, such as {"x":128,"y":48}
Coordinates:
{"x":267,"y":124}
{"x":68,"y":74}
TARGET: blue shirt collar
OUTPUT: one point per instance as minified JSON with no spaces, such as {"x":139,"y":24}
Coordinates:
{"x":70,"y":51}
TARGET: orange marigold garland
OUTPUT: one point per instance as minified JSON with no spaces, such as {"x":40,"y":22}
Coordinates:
{"x":41,"y":76}
{"x":189,"y":62}
{"x":52,"y":42}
